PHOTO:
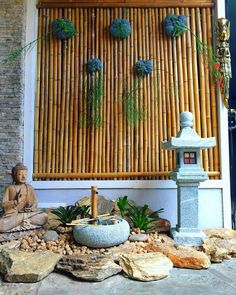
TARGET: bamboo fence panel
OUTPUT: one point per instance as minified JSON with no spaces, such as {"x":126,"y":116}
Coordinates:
{"x":68,"y":146}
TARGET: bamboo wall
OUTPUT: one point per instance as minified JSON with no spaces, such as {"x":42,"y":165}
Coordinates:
{"x":64,"y":148}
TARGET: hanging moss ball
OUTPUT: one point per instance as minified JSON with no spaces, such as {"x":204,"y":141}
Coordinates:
{"x":143,"y":67}
{"x":63,"y":28}
{"x":94,"y":65}
{"x":120,"y":28}
{"x":175,"y":25}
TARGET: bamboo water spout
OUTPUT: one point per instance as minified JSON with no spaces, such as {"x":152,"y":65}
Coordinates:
{"x":94,"y":201}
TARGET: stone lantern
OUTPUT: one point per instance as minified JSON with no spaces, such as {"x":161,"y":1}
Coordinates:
{"x":188,"y":175}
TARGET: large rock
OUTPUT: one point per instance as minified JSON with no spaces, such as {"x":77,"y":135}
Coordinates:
{"x":223,"y":233}
{"x":104,"y":206}
{"x":18,"y":266}
{"x":92,"y":267}
{"x":219,"y":248}
{"x":53,"y":221}
{"x":146,"y":267}
{"x":181,"y":256}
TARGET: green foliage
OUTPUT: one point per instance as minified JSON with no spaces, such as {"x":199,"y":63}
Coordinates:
{"x":69,"y":213}
{"x":84,"y":211}
{"x":95,"y":95}
{"x":133,"y":113}
{"x":140,"y":218}
{"x":18,"y":52}
{"x":122,"y":204}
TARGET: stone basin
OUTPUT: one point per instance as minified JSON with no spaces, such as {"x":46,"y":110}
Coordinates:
{"x":106,"y":233}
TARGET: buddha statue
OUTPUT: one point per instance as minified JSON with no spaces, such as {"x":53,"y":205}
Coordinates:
{"x":20,"y":204}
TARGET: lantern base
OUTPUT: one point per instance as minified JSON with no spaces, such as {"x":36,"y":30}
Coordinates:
{"x":189,"y":238}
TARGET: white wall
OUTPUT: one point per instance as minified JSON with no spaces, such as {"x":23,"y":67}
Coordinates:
{"x":214,"y":196}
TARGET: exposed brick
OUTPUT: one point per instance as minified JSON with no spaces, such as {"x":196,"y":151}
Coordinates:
{"x":12,"y":32}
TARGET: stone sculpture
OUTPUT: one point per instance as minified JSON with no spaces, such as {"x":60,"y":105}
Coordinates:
{"x":20,"y":204}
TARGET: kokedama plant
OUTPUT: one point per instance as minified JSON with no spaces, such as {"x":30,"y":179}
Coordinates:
{"x":120,"y":28}
{"x":63,"y":28}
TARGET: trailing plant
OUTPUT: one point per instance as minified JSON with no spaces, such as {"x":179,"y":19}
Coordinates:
{"x":95,"y":92}
{"x":141,"y":218}
{"x":63,"y":28}
{"x":69,"y":213}
{"x":178,"y":25}
{"x":132,"y":111}
{"x":120,"y":28}
{"x":122,"y":204}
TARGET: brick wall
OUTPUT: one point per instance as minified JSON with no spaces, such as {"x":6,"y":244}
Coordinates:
{"x":12,"y":34}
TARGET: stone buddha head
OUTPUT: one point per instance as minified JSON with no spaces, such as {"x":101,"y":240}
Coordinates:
{"x":19,"y":174}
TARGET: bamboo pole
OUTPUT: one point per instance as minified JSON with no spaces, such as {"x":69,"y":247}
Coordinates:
{"x":103,"y":111}
{"x":59,"y":101}
{"x":159,"y":134}
{"x":77,"y":94}
{"x":213,"y":100}
{"x":166,"y":103}
{"x":144,"y":121}
{"x":195,"y":73}
{"x":71,"y":99}
{"x":109,"y":175}
{"x":120,"y":125}
{"x":50,"y":102}
{"x":190,"y":66}
{"x":116,"y":107}
{"x":37,"y":97}
{"x":46,"y":94}
{"x":94,"y":201}
{"x":139,"y":99}
{"x":152,"y":126}
{"x":112,"y":90}
{"x":84,"y":93}
{"x":108,"y":96}
{"x":202,"y":89}
{"x":135,"y":58}
{"x":55,"y":99}
{"x":207,"y":90}
{"x":185,"y":71}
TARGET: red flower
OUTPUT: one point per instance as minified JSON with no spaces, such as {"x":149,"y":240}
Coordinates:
{"x":217,"y":67}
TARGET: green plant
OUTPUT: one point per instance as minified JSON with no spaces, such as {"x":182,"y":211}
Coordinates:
{"x":132,"y":111}
{"x":122,"y":204}
{"x":95,"y":94}
{"x":84,"y":211}
{"x":67,"y":214}
{"x":141,"y":218}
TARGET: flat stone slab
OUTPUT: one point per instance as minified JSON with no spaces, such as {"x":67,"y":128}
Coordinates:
{"x":92,"y":267}
{"x":18,"y":266}
{"x":146,"y":267}
{"x":181,"y":256}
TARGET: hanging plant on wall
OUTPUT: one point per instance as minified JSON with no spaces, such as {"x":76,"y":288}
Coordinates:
{"x":61,"y":28}
{"x":132,"y":111}
{"x":95,"y":92}
{"x":120,"y":28}
{"x":176,"y":25}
